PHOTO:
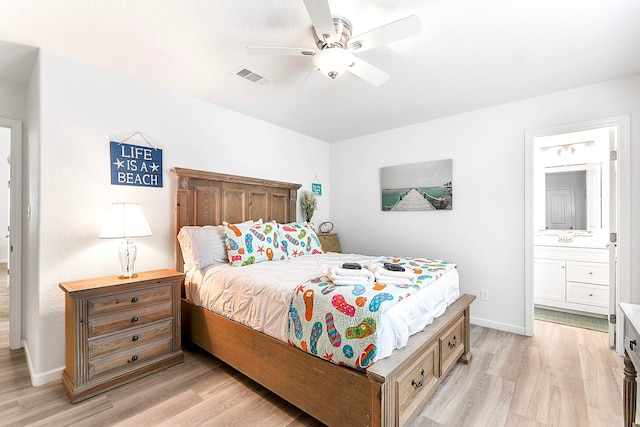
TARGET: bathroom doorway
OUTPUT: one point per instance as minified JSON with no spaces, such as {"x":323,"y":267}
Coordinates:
{"x":576,"y":204}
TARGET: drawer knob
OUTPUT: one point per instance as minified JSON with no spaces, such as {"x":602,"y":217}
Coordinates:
{"x":135,"y":338}
{"x":632,"y":344}
{"x":453,"y":344}
{"x":134,"y":299}
{"x":134,"y":357}
{"x":417,"y":384}
{"x":134,"y":319}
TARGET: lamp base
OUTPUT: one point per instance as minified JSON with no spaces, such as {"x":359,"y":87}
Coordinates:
{"x":127,"y":253}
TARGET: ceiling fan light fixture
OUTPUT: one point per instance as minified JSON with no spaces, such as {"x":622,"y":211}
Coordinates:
{"x":333,"y":61}
{"x":335,"y":48}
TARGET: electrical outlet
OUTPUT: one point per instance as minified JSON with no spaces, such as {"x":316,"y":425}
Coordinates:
{"x":484,"y":295}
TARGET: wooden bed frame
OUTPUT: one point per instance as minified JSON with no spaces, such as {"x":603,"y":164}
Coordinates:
{"x":391,"y":392}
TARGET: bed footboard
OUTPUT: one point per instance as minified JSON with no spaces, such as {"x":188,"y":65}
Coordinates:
{"x":391,"y":393}
{"x":334,"y":394}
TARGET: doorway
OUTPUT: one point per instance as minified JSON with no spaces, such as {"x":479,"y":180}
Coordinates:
{"x":14,"y":232}
{"x":5,"y":151}
{"x":583,"y":269}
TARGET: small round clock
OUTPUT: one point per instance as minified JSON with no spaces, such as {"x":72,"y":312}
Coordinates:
{"x":326,"y":227}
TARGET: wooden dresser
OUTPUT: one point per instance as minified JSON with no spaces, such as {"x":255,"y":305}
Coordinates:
{"x":329,"y":242}
{"x":631,"y":360}
{"x":117,"y":330}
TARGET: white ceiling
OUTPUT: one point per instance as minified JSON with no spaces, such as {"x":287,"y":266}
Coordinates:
{"x":471,"y":54}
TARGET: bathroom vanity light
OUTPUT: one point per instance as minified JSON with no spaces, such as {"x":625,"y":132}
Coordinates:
{"x":567,"y":150}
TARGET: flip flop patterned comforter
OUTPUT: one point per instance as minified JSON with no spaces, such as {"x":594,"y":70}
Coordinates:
{"x":340,"y":323}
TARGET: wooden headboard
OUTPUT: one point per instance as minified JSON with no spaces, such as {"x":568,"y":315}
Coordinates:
{"x":208,"y":198}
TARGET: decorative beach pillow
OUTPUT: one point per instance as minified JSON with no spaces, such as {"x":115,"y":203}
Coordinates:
{"x":250,"y":244}
{"x":299,"y":239}
{"x":247,"y":222}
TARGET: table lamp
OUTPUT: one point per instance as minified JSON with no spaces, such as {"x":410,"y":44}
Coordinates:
{"x":125,"y":221}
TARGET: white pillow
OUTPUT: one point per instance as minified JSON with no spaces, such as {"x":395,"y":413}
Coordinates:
{"x":214,"y":236}
{"x":188,"y":237}
{"x":202,"y":246}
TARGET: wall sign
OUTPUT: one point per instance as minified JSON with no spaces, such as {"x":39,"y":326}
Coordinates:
{"x":135,"y":165}
{"x":316,"y":188}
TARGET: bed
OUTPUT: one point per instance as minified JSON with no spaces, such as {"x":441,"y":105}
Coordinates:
{"x":390,"y":392}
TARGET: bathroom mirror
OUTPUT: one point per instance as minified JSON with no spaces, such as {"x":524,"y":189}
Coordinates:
{"x":573,"y":199}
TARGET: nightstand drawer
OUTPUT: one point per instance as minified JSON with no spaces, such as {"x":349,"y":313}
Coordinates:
{"x":122,"y":301}
{"x":631,"y":341}
{"x":123,"y":319}
{"x":129,"y":358}
{"x":130,"y":339}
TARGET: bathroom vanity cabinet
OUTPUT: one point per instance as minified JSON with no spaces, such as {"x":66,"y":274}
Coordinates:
{"x":572,"y":278}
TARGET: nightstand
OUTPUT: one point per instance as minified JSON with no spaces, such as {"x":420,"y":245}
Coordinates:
{"x":117,"y":330}
{"x":329,"y":242}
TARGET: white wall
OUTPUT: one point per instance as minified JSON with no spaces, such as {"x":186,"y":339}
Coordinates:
{"x":82,"y":108}
{"x":31,"y":317}
{"x":484,"y":233}
{"x":13,"y":101}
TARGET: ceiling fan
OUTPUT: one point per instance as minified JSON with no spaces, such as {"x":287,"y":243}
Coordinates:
{"x":333,"y":37}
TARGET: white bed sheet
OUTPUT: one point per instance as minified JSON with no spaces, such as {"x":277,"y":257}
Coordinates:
{"x":258,"y":296}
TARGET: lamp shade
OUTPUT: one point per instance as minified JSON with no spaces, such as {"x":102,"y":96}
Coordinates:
{"x":125,"y":220}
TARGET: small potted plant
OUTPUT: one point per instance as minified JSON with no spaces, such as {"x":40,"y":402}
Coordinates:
{"x":308,"y":204}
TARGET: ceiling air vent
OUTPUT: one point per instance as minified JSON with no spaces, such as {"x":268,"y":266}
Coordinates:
{"x":252,"y":77}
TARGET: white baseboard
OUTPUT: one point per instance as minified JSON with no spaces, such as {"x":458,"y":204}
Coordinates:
{"x":497,"y":325}
{"x":43,"y":378}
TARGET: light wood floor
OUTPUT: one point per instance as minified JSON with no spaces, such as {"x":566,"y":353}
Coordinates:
{"x":561,"y":377}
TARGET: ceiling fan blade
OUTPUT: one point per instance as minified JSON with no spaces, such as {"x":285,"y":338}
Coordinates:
{"x":389,"y":33}
{"x":290,"y":51}
{"x":368,"y":72}
{"x":321,"y":18}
